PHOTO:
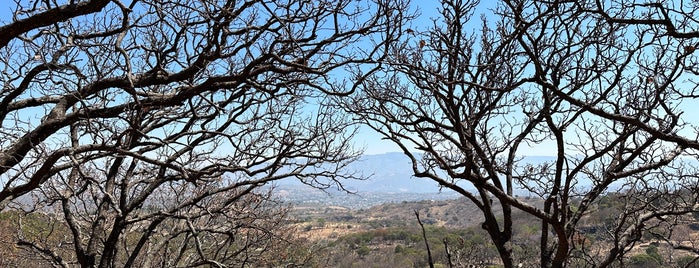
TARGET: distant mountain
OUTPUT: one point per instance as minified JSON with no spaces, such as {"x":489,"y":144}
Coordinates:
{"x":390,"y":179}
{"x":392,"y":173}
{"x":386,"y":173}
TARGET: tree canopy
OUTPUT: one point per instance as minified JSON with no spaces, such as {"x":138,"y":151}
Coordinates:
{"x":144,"y":127}
{"x":610,"y":84}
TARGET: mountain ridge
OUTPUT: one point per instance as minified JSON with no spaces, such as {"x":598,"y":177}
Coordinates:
{"x":392,"y":173}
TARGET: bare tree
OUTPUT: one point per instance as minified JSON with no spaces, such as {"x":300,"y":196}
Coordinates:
{"x":609,"y":85}
{"x":142,"y":129}
{"x":228,"y":228}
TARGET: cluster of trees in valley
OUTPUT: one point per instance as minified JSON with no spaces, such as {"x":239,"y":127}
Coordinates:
{"x":142,"y":133}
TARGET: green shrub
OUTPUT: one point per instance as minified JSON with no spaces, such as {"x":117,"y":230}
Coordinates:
{"x":363,"y":250}
{"x":644,"y":260}
{"x":652,"y":251}
{"x":686,"y":260}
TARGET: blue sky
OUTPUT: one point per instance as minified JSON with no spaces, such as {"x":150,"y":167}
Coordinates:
{"x":371,"y":141}
{"x":373,"y":144}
